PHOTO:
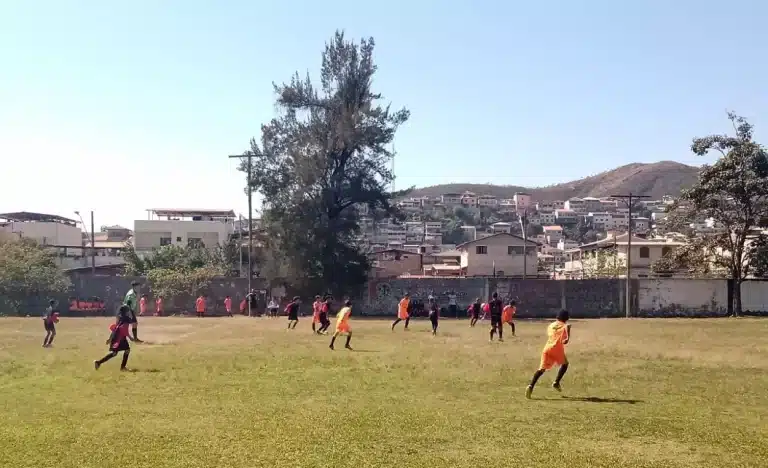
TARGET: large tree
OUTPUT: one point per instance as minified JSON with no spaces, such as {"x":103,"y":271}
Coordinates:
{"x":27,"y":270}
{"x":326,"y":152}
{"x":733,"y":193}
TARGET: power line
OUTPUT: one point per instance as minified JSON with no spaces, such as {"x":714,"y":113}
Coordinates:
{"x":629,"y":197}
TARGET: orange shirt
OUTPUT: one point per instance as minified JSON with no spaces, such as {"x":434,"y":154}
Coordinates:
{"x":200,"y":304}
{"x":402,"y":308}
{"x":557,"y":335}
{"x":508,"y":312}
{"x":159,"y":305}
{"x":142,"y":305}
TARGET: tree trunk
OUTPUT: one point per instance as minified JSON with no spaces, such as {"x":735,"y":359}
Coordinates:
{"x":737,"y":298}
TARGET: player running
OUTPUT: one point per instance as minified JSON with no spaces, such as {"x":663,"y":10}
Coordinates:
{"x":494,"y":308}
{"x":558,"y":335}
{"x":403,"y":312}
{"x":50,"y":318}
{"x":118,"y":340}
{"x":132,"y":301}
{"x":342,"y":324}
{"x":508,"y":315}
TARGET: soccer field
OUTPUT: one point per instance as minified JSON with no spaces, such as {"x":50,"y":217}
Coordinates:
{"x":239,"y":392}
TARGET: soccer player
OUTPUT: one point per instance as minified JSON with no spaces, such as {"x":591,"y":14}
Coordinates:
{"x":142,"y":305}
{"x":200,"y":306}
{"x":228,"y":306}
{"x":316,"y":306}
{"x":508,"y":315}
{"x":495,"y":307}
{"x":293,"y":312}
{"x":474,"y":312}
{"x":118,"y":340}
{"x":434,"y":314}
{"x":131,"y":300}
{"x":342,"y":324}
{"x":159,"y":306}
{"x":325,"y":309}
{"x":558,"y":335}
{"x":403,"y":312}
{"x":49,"y":321}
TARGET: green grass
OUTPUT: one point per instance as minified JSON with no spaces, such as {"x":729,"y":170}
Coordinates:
{"x":242,"y":392}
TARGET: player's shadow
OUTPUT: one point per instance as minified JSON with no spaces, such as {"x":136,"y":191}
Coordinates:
{"x":596,"y":400}
{"x":355,"y":350}
{"x":147,"y":371}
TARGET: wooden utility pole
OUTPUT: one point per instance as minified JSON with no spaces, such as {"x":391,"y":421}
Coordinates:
{"x":93,"y":246}
{"x":523,"y":221}
{"x":249,"y":157}
{"x":628,"y":198}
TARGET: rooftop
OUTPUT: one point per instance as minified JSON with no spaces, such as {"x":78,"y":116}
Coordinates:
{"x":191,"y":212}
{"x":24,"y":216}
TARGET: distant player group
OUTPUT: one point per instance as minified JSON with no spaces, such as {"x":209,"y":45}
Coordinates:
{"x":125,"y":328}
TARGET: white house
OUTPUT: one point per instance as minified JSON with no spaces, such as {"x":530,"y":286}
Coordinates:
{"x":185,"y":227}
{"x":44,"y":228}
{"x":500,"y":255}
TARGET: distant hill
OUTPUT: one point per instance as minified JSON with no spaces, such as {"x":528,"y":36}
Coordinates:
{"x":655,"y":179}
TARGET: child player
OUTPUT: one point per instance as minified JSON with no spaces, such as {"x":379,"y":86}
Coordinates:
{"x":293,"y":312}
{"x":325,"y":309}
{"x":508,"y":315}
{"x":228,"y":306}
{"x":131,"y":300}
{"x":118,"y":340}
{"x":474,"y":312}
{"x":316,"y":306}
{"x":142,"y":305}
{"x":342,"y":324}
{"x":558,"y":335}
{"x":402,"y":311}
{"x":200,"y":306}
{"x":434,"y":314}
{"x":495,"y":307}
{"x":49,"y":321}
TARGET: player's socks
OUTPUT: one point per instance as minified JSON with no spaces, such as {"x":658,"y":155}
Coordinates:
{"x":493,"y":332}
{"x":313,"y":328}
{"x":536,"y":376}
{"x":407,"y":321}
{"x":528,"y":391}
{"x":96,"y":365}
{"x":124,"y":363}
{"x":560,"y":373}
{"x":512,"y":326}
{"x":501,"y":333}
{"x":346,"y":345}
{"x":333,"y":339}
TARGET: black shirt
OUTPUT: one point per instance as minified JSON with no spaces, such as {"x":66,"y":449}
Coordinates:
{"x":293,"y":308}
{"x":476,"y":308}
{"x":496,"y":307}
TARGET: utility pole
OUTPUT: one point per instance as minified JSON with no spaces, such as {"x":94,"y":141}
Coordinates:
{"x":628,"y":198}
{"x":93,"y":246}
{"x":249,"y":157}
{"x":523,"y":220}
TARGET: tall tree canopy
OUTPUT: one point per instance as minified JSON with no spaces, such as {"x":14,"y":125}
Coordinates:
{"x":323,"y":155}
{"x":733,"y":192}
{"x":26,"y":269}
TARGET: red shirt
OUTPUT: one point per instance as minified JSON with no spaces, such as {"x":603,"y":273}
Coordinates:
{"x":228,"y":304}
{"x":159,"y":305}
{"x":200,"y":304}
{"x":120,"y":333}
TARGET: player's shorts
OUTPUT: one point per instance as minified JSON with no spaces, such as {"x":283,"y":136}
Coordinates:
{"x":474,"y":315}
{"x":402,"y":316}
{"x":293,"y":315}
{"x":343,"y":327}
{"x":323,"y":317}
{"x":433,"y":318}
{"x":49,"y":326}
{"x":316,"y":318}
{"x":552,"y":357}
{"x":495,"y":320}
{"x":133,"y":318}
{"x":121,"y":345}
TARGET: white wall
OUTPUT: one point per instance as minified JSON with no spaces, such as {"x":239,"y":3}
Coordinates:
{"x":683,"y":294}
{"x":47,"y":233}
{"x":146,"y":233}
{"x":511,"y":265}
{"x":754,"y":296}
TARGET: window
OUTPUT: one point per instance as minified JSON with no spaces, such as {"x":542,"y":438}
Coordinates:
{"x":500,"y":273}
{"x":645,"y":252}
{"x":195,"y":242}
{"x":165,"y":241}
{"x":665,"y":251}
{"x":481,"y":250}
{"x":178,"y":239}
{"x":514,"y":250}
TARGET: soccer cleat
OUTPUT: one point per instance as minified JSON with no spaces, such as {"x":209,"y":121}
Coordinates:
{"x":349,"y":347}
{"x":557,"y":387}
{"x":528,"y":391}
{"x":331,"y":346}
{"x":96,"y":365}
{"x":501,"y":340}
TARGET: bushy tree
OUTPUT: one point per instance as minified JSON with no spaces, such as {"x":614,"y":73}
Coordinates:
{"x":26,"y":269}
{"x":733,"y":192}
{"x":605,"y":263}
{"x":326,"y":152}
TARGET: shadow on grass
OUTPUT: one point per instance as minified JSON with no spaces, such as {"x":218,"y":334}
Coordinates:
{"x":355,"y":350}
{"x":595,"y":400}
{"x":147,"y":371}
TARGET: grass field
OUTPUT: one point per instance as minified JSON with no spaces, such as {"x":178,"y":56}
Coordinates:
{"x":239,"y":392}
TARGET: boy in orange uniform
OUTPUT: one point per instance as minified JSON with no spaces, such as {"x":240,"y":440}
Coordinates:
{"x":558,"y":335}
{"x":508,"y":314}
{"x":342,"y":324}
{"x":316,"y":306}
{"x":142,"y":305}
{"x":402,"y":311}
{"x":200,"y":306}
{"x":228,"y":306}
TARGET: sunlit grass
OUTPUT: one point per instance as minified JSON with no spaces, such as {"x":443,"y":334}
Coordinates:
{"x":239,"y":392}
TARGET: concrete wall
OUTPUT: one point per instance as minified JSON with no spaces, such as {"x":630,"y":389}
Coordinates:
{"x":536,"y":298}
{"x":47,"y":233}
{"x":147,"y":233}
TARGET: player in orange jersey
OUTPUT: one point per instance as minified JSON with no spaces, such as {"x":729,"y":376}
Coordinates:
{"x":403,"y":312}
{"x":558,"y":335}
{"x":508,"y":315}
{"x":342,"y":324}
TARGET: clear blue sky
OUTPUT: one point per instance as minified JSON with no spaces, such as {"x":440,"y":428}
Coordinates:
{"x":121,"y":106}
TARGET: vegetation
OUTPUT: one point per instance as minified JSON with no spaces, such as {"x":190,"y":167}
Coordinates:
{"x":581,"y":232}
{"x":733,"y":193}
{"x":637,"y":395}
{"x":326,"y":153}
{"x":603,"y":264}
{"x":26,"y":269}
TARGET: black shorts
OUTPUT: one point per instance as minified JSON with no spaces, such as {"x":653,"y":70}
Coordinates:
{"x":133,"y":318}
{"x":433,"y":318}
{"x":495,"y":320}
{"x":323,"y":317}
{"x":293,"y":316}
{"x":121,"y":346}
{"x":49,"y":326}
{"x":474,"y":315}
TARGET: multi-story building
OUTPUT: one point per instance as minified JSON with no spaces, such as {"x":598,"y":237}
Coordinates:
{"x":547,"y":218}
{"x":553,"y":234}
{"x":522,"y":201}
{"x":46,"y":229}
{"x":534,"y":218}
{"x":507,"y":206}
{"x":468,"y":199}
{"x":184,"y":227}
{"x":500,"y":255}
{"x":577,"y":205}
{"x":450,"y":199}
{"x":601,"y":220}
{"x":620,"y":220}
{"x":545,"y":207}
{"x":608,"y":204}
{"x":592,"y":204}
{"x":501,"y":227}
{"x":487,"y":200}
{"x":565,"y":217}
{"x":641,"y":225}
{"x":558,"y":205}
